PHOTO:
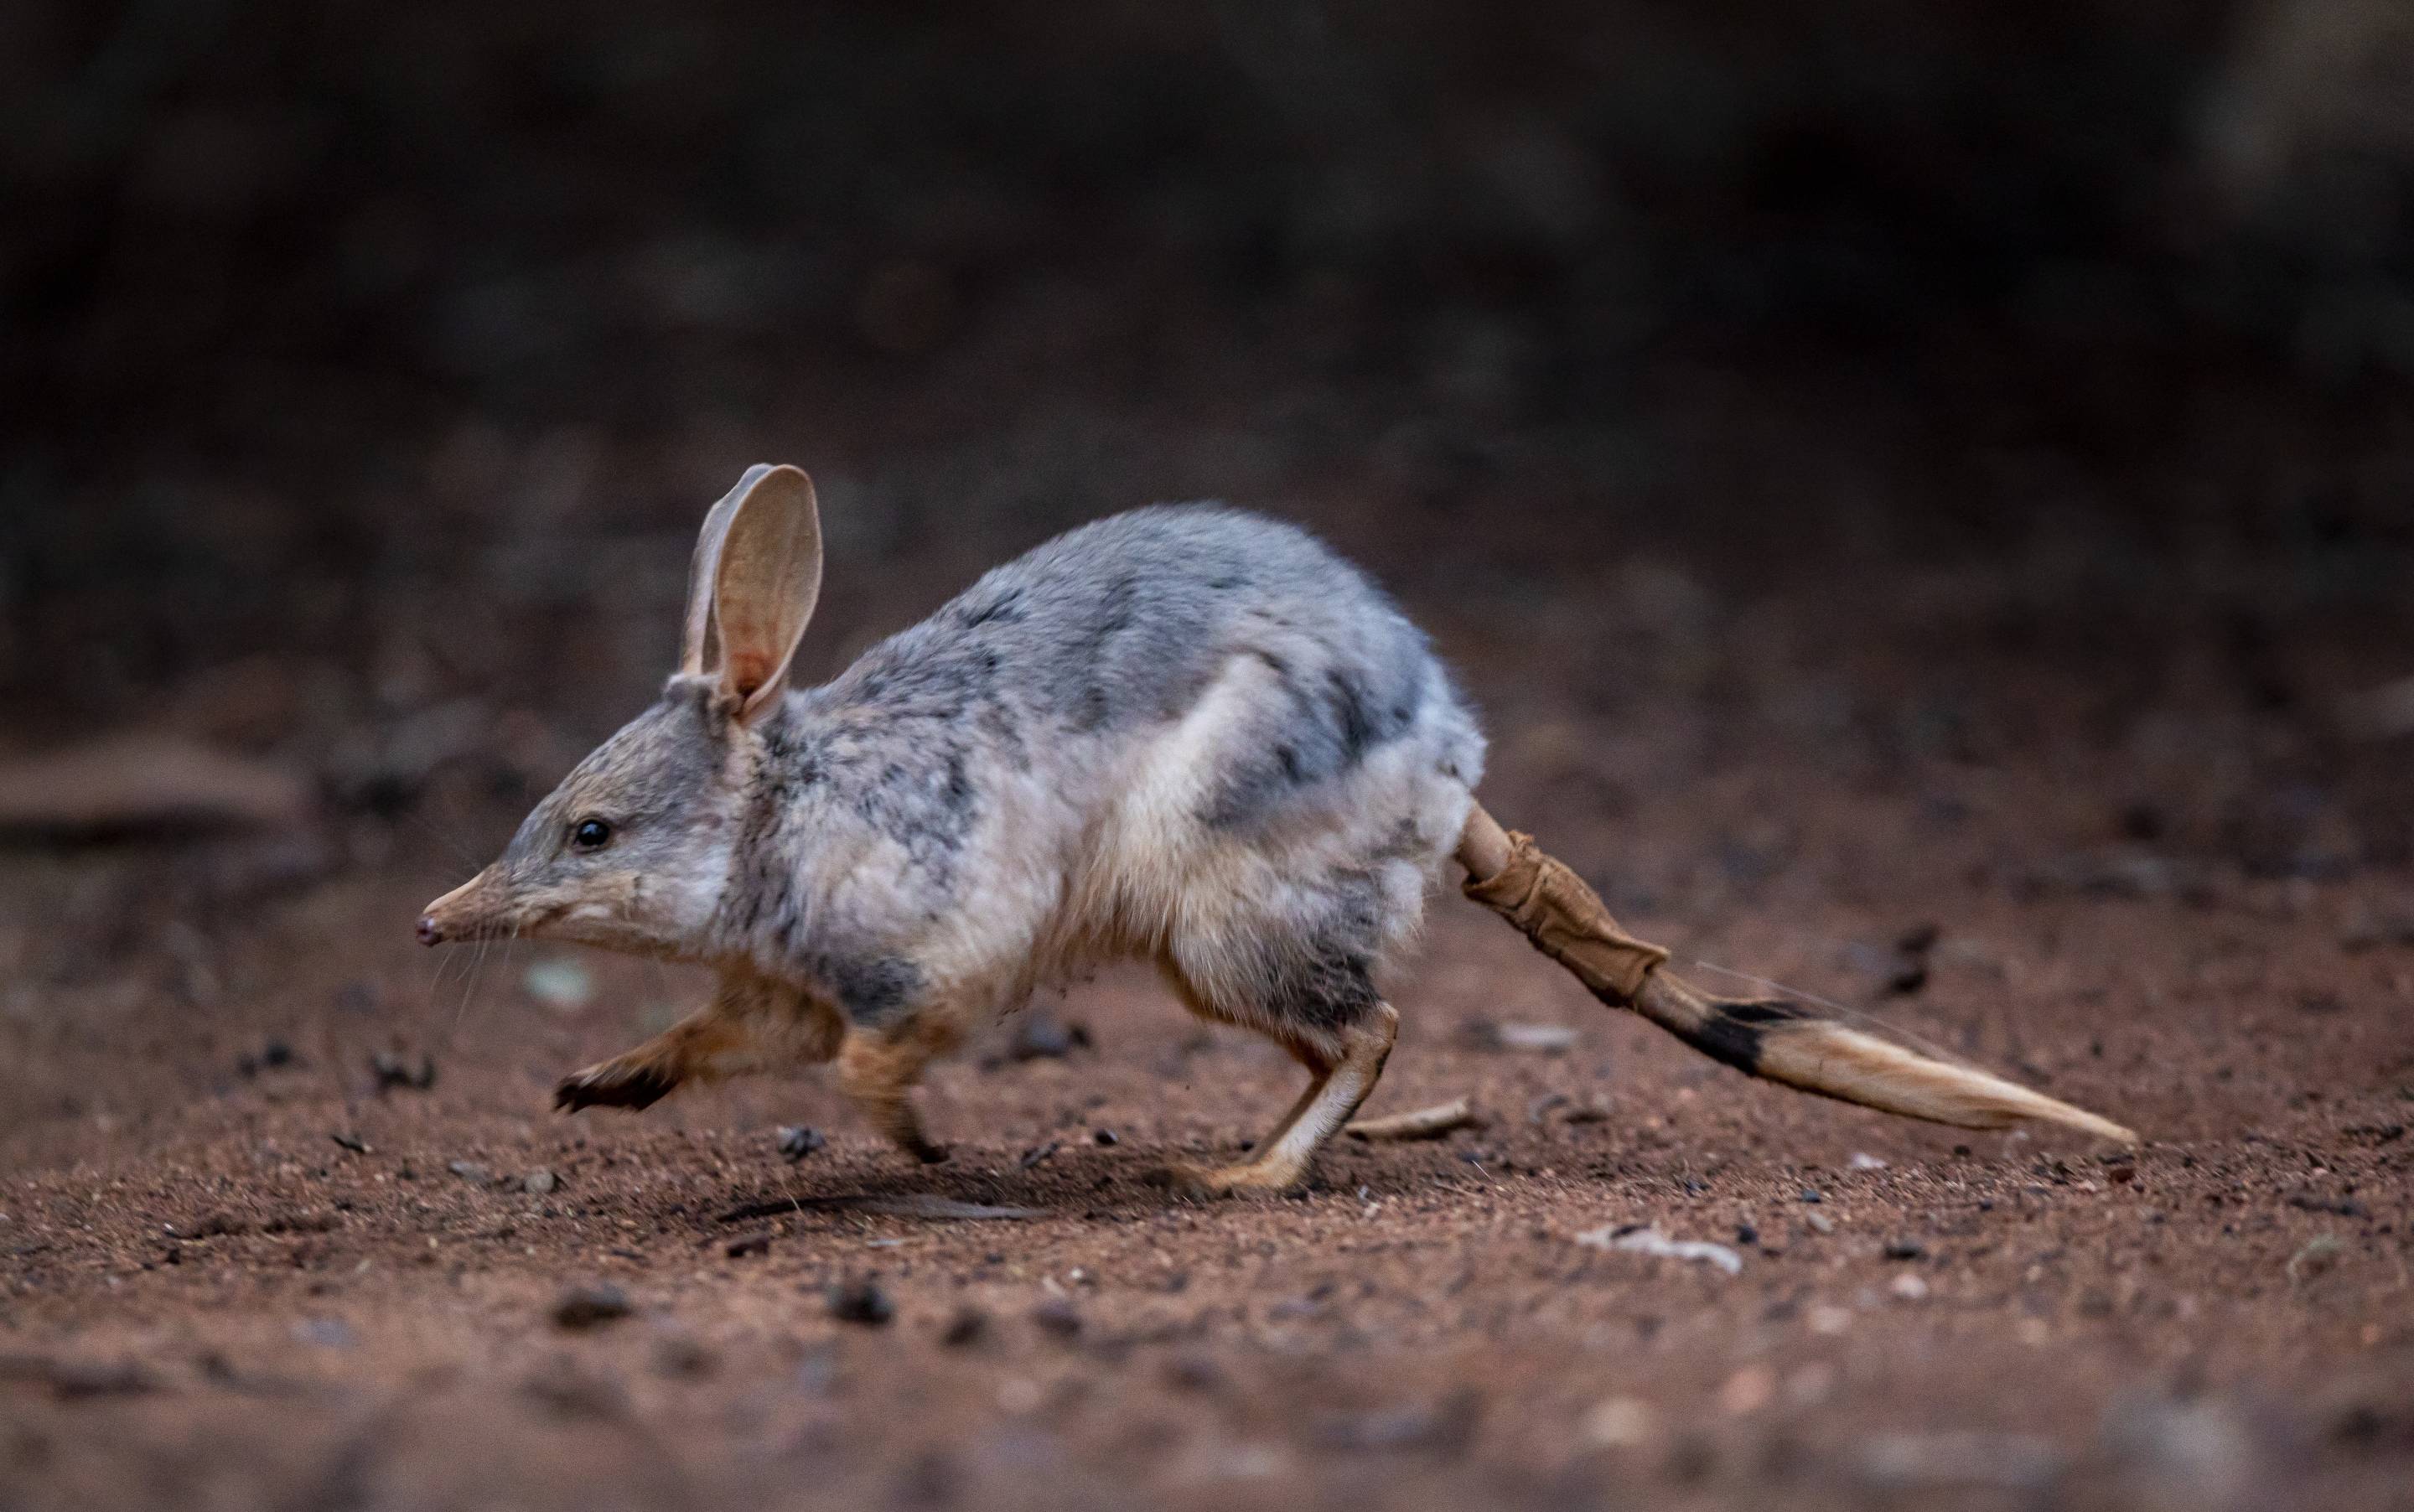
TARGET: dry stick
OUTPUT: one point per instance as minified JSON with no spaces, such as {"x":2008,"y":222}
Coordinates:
{"x":1422,"y":1123}
{"x":1780,"y":1041}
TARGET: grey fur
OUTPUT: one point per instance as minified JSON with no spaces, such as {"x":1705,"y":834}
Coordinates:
{"x":980,"y":801}
{"x":1125,"y":621}
{"x":1078,"y":648}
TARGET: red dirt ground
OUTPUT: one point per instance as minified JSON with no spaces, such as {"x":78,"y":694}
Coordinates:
{"x":210,"y":1301}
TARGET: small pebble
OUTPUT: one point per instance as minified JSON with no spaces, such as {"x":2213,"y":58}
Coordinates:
{"x":861,"y":1301}
{"x":1909,"y":1286}
{"x":1104,"y":1137}
{"x":352,"y":1142}
{"x":539,"y":1182}
{"x":679,"y":1356}
{"x":590,"y":1305}
{"x":799,"y":1141}
{"x":275,"y":1055}
{"x":1057,"y":1318}
{"x":757,"y":1243}
{"x":1820,"y":1222}
{"x":1193,"y":1369}
{"x":969,"y":1327}
{"x":469,"y":1171}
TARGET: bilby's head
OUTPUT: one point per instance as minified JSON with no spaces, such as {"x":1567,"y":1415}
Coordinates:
{"x":633,"y":851}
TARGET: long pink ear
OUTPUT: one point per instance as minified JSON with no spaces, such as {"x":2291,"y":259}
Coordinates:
{"x":704,"y":572}
{"x":767,"y":578}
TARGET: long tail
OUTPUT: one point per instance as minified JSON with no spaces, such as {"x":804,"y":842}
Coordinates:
{"x":1780,"y":1041}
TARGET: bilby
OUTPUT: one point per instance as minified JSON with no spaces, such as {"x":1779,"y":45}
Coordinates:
{"x":1186,"y":734}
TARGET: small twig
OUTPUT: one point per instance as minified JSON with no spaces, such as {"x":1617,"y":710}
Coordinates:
{"x":1423,"y":1123}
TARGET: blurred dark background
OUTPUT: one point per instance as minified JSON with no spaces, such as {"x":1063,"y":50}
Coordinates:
{"x":365,"y":367}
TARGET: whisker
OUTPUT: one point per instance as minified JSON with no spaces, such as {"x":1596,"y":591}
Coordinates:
{"x":470,"y":988}
{"x":510,"y":941}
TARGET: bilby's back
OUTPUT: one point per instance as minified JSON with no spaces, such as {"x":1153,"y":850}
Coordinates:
{"x":1113,"y":630}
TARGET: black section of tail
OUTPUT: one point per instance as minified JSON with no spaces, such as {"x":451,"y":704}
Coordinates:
{"x":1735,"y":1032}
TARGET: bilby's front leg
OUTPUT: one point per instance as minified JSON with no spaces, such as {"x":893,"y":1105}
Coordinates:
{"x":753,"y":1024}
{"x":878,"y":1068}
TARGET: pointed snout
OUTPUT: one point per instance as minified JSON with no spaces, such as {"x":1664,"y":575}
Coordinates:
{"x":456,"y":915}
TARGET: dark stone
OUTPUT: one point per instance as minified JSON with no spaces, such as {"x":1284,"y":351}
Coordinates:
{"x":591,"y":1306}
{"x":1057,"y":1318}
{"x":861,"y":1302}
{"x":969,"y":1327}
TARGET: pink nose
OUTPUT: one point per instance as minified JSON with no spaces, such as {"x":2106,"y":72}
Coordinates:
{"x":430,"y":933}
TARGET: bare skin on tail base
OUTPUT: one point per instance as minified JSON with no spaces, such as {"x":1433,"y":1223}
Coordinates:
{"x":1776,"y":1040}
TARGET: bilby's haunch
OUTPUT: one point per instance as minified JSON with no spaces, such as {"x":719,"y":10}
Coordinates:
{"x":1186,"y":734}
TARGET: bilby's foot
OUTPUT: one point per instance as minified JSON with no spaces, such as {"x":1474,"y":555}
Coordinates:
{"x":1204,"y":1183}
{"x":702,"y":1046}
{"x":877,"y":1072}
{"x":1282,"y":1161}
{"x":629,"y":1081}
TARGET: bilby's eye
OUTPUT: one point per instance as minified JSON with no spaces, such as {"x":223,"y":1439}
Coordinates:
{"x":591,"y":835}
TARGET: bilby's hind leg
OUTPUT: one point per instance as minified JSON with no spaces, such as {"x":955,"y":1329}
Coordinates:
{"x":752,"y":1024}
{"x":877,"y":1070}
{"x":1281,"y":1160}
{"x":1309,"y":1049}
